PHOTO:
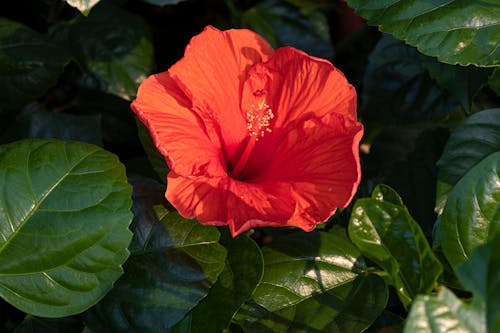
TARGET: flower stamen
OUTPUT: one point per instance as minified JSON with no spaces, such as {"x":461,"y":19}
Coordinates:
{"x":259,"y":116}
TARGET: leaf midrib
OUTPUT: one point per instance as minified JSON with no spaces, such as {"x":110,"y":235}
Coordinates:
{"x":43,"y":196}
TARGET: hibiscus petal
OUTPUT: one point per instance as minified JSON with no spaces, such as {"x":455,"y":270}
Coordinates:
{"x":304,"y":86}
{"x":319,"y":158}
{"x":211,"y":74}
{"x":225,"y":201}
{"x":177,"y":132}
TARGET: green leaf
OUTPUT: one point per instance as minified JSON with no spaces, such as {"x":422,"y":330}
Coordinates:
{"x":384,"y":231}
{"x":113,"y":48}
{"x":49,"y":325}
{"x":29,"y":64}
{"x":473,"y":140}
{"x":348,"y":308}
{"x":157,"y":160}
{"x":173,"y":264}
{"x":471,"y":215}
{"x":47,"y":125}
{"x":455,"y":31}
{"x":284,"y":24}
{"x":446,"y":313}
{"x":64,"y":216}
{"x":397,"y":70}
{"x":299,"y":265}
{"x":84,"y":6}
{"x":236,"y":283}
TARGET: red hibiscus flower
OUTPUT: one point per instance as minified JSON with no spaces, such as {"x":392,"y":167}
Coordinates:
{"x":253,"y":136}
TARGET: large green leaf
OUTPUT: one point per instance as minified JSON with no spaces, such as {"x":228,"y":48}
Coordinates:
{"x":54,"y":125}
{"x":29,"y":64}
{"x":173,"y":264}
{"x":471,"y":215}
{"x":397,"y":70}
{"x":84,"y":6}
{"x":113,"y":48}
{"x":348,"y":308}
{"x":284,"y":24}
{"x":473,"y":140}
{"x":385,"y":232}
{"x":235,"y":285}
{"x":456,"y":31}
{"x":64,"y":216}
{"x":446,"y":313}
{"x":298,"y":265}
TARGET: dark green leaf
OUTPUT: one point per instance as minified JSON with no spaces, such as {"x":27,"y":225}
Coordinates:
{"x":173,"y":264}
{"x":84,"y":6}
{"x":446,"y":313}
{"x":49,"y":325}
{"x":29,"y":64}
{"x":456,"y":31}
{"x":47,"y":125}
{"x":64,"y":216}
{"x":284,"y":24}
{"x":298,"y":265}
{"x":244,"y":268}
{"x":158,"y":162}
{"x":348,"y":308}
{"x":397,"y":70}
{"x":385,"y":232}
{"x":471,"y":215}
{"x":113,"y":48}
{"x":494,"y":81}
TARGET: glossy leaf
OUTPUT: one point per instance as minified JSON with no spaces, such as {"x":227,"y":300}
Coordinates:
{"x":29,"y":64}
{"x":348,"y":308}
{"x":52,"y":125}
{"x":113,"y":48}
{"x":84,"y":6}
{"x":173,"y":264}
{"x":444,"y":312}
{"x":64,"y":216}
{"x":471,"y":215}
{"x":284,"y":24}
{"x":397,"y":70}
{"x":235,"y":285}
{"x":473,"y":140}
{"x":455,"y":31}
{"x":298,"y":265}
{"x":384,"y":231}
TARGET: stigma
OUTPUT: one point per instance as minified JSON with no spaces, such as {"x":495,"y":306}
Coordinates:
{"x":259,"y":116}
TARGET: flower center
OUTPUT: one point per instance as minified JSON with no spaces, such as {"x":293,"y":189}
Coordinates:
{"x":259,"y":115}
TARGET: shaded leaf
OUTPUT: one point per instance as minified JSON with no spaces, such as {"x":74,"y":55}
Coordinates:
{"x":284,"y":24}
{"x":29,"y":64}
{"x":64,"y":216}
{"x":471,"y":215}
{"x":113,"y":48}
{"x":49,"y":325}
{"x":398,"y":70}
{"x":494,"y":81}
{"x":84,"y":6}
{"x":298,"y":265}
{"x":51,"y":125}
{"x":455,"y":31}
{"x":158,"y":162}
{"x":235,"y":285}
{"x":384,"y":231}
{"x":348,"y":308}
{"x":173,"y":264}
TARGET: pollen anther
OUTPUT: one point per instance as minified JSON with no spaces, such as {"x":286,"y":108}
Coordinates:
{"x":259,"y":119}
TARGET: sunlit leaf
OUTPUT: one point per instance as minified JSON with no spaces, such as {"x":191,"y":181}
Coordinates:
{"x":299,"y":265}
{"x":84,"y":6}
{"x":173,"y":264}
{"x":348,"y":308}
{"x":64,"y":216}
{"x":385,"y":233}
{"x":29,"y":64}
{"x":456,"y":31}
